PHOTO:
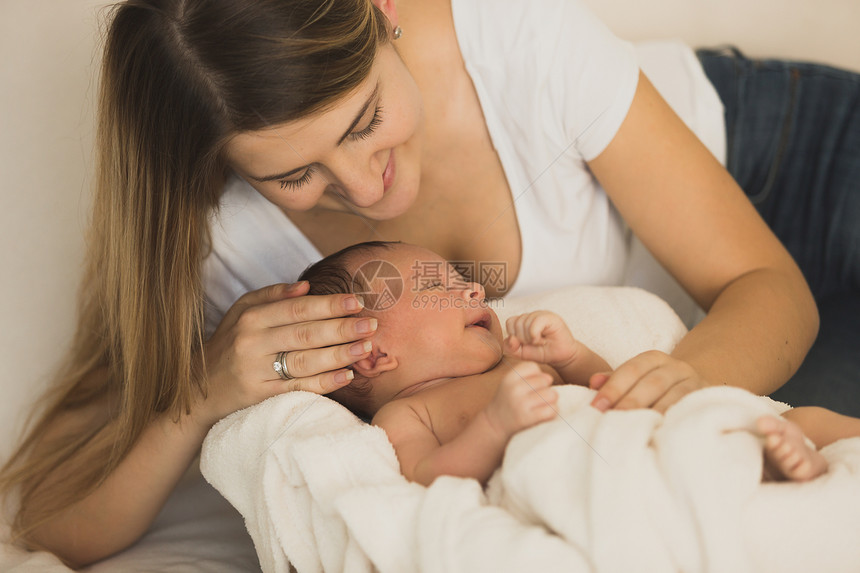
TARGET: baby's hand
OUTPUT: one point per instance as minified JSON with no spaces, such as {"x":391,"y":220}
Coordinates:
{"x":541,"y":336}
{"x":524,"y":398}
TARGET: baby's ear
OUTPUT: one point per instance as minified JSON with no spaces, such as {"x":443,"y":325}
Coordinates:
{"x":375,"y":364}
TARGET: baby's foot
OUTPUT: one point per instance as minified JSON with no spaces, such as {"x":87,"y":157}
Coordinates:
{"x":787,"y":455}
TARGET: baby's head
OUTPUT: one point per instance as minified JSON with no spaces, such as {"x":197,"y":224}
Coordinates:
{"x":432,"y":323}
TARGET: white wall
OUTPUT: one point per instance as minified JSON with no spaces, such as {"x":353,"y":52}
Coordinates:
{"x":47,"y":62}
{"x":818,"y":30}
{"x":46,"y":97}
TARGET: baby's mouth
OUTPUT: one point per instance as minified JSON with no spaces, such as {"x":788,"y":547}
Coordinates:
{"x":483,"y":322}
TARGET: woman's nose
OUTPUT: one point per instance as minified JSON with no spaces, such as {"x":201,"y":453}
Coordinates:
{"x":360,"y":195}
{"x":357,"y":182}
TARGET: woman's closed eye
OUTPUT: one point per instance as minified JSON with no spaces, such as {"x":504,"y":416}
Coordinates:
{"x":375,"y":121}
{"x":297,"y":183}
{"x":371,"y":127}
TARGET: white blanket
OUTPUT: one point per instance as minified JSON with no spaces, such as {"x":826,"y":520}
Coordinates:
{"x":639,"y":492}
{"x":622,"y":491}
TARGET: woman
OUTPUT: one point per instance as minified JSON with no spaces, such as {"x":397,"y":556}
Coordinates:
{"x":316,"y":125}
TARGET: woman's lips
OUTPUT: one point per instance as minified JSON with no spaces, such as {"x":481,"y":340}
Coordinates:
{"x":389,"y":173}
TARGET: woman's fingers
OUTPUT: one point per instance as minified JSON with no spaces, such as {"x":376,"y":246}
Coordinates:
{"x":318,"y":384}
{"x":319,"y":333}
{"x":302,"y":309}
{"x":597,"y":380}
{"x":650,"y":388}
{"x":622,"y":380}
{"x":265,"y":295}
{"x":675,"y":393}
{"x":312,"y":362}
{"x":642,"y":381}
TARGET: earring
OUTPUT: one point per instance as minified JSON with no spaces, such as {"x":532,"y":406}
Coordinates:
{"x":398,"y":31}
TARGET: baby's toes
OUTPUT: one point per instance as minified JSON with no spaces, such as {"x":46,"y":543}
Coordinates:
{"x":801,"y":471}
{"x":792,"y":459}
{"x":787,"y":451}
{"x":769,"y":425}
{"x":777,"y":446}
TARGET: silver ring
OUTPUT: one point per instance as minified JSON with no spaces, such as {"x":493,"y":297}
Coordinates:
{"x":280,"y":366}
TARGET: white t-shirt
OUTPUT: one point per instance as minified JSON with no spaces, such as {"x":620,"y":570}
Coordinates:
{"x":554,"y":85}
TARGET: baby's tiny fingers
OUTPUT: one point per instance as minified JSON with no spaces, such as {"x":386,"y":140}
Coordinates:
{"x":513,"y":326}
{"x":538,"y":396}
{"x":549,"y":394}
{"x":539,"y":380}
{"x":547,"y":381}
{"x":513,"y":343}
{"x":524,"y":328}
{"x":536,"y":325}
{"x":526,"y":369}
{"x":543,"y":413}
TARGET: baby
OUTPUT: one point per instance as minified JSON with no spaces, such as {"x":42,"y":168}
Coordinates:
{"x":450,"y":391}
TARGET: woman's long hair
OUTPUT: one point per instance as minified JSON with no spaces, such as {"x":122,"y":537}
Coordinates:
{"x":178,"y":79}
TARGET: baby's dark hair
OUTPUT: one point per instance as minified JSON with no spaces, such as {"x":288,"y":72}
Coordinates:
{"x":331,"y":275}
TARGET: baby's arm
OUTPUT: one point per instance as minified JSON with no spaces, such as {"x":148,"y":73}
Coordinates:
{"x":524,"y":398}
{"x":543,"y":336}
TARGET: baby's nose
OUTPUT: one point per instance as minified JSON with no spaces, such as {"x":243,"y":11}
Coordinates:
{"x":474,"y":291}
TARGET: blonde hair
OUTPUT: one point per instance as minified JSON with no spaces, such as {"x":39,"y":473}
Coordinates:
{"x":179,"y":77}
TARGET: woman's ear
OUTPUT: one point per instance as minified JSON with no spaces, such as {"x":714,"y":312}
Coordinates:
{"x":375,"y":364}
{"x":389,"y":9}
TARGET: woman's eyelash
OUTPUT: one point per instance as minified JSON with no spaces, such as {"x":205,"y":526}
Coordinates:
{"x":294,"y":184}
{"x":371,"y":127}
{"x":297,"y":183}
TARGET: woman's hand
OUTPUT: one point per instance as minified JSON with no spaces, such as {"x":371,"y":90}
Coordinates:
{"x":239,"y":356}
{"x":652,"y":379}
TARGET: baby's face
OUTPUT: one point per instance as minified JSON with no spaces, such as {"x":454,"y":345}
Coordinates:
{"x":440,"y":326}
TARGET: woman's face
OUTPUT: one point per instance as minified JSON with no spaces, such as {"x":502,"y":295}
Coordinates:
{"x":361,"y":155}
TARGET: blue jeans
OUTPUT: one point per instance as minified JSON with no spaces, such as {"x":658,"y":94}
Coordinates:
{"x":793,"y":135}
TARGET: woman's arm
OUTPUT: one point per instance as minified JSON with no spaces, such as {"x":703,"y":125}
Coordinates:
{"x":122,"y":508}
{"x":690,"y":213}
{"x":239,"y":374}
